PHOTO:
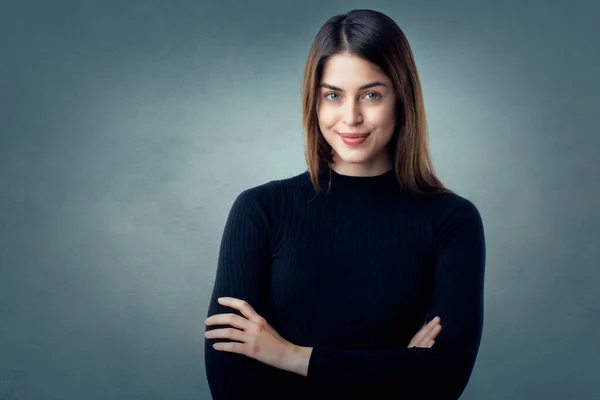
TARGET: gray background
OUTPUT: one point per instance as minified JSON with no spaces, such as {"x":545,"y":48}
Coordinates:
{"x":127,"y":129}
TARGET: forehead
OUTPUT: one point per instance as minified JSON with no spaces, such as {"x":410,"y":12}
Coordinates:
{"x":351,"y":70}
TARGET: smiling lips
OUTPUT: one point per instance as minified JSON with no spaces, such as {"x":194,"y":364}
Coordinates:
{"x":353,"y":135}
{"x":353,"y":139}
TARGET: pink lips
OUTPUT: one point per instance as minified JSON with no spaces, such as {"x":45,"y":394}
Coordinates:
{"x":353,"y":139}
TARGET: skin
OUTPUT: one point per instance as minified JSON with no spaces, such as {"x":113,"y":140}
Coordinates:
{"x":346,"y":108}
{"x":350,"y":109}
{"x":257,"y":339}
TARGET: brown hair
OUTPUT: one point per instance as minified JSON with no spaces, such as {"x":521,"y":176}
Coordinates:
{"x":376,"y":38}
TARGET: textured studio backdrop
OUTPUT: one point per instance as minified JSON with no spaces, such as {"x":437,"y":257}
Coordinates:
{"x":127,"y":129}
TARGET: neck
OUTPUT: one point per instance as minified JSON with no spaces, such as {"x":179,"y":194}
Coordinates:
{"x":375,"y":167}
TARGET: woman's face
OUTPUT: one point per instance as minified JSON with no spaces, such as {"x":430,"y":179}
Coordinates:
{"x":356,"y":97}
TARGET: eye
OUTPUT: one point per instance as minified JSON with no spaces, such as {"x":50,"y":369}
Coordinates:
{"x":373,"y":96}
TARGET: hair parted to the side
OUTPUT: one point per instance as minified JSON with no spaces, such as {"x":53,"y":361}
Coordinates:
{"x":376,"y":38}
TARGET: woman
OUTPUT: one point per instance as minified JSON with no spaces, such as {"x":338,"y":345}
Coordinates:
{"x":328,"y":282}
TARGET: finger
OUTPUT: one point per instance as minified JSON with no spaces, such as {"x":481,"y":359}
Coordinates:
{"x":431,"y":334}
{"x":232,"y":347}
{"x":427,"y":341}
{"x":421,"y":338}
{"x":228,"y":319}
{"x":225,"y":333}
{"x":425,"y":330}
{"x":242,"y":306}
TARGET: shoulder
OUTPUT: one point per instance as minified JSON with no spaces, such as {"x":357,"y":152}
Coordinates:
{"x":445,"y":205}
{"x":270,"y":193}
{"x":458,"y":223}
{"x":452,"y":204}
{"x":451,"y":210}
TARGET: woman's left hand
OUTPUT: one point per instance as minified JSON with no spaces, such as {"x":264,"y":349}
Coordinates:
{"x":258,"y":339}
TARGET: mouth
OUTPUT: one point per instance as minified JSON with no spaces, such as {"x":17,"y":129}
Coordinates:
{"x":354,"y":139}
{"x":354,"y":135}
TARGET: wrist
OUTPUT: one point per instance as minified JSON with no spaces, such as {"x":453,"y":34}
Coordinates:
{"x":298,"y":358}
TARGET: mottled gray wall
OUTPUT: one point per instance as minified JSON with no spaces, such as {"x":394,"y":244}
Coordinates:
{"x":127,"y":128}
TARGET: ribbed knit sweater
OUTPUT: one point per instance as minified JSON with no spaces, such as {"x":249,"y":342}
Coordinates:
{"x":354,"y":275}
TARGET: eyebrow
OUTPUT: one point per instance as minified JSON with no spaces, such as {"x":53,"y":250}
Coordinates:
{"x":367,"y":86}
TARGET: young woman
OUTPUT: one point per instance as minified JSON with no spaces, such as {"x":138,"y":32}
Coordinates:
{"x":336,"y":283}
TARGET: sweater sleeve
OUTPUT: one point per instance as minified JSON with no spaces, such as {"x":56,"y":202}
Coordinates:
{"x":443,"y":371}
{"x":242,"y":272}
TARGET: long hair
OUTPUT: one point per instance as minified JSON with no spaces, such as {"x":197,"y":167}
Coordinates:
{"x":376,"y":38}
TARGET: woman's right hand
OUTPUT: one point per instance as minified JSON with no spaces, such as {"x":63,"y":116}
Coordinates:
{"x":425,"y":337}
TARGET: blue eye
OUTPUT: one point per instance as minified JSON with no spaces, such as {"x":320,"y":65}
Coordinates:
{"x":377,"y":96}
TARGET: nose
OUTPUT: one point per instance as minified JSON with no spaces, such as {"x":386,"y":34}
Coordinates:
{"x":352,"y":113}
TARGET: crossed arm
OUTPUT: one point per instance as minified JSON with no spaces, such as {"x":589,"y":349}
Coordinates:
{"x":443,"y":370}
{"x":457,"y":299}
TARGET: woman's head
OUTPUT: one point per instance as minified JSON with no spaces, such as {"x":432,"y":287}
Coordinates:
{"x":356,"y":97}
{"x":351,"y":51}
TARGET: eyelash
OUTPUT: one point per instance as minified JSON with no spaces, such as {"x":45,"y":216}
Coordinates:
{"x":327,"y":94}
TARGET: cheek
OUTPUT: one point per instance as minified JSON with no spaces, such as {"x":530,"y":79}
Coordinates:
{"x":326,"y":118}
{"x":383,"y":116}
{"x":386,"y":124}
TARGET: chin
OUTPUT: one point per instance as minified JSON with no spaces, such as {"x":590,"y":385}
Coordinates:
{"x":354,"y":158}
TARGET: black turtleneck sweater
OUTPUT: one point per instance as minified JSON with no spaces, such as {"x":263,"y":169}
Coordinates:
{"x":354,"y":275}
